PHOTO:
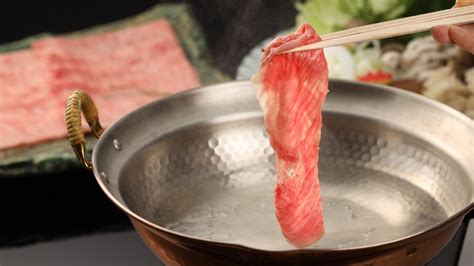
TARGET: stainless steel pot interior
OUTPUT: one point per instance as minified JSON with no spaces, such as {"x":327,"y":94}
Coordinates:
{"x":392,"y":165}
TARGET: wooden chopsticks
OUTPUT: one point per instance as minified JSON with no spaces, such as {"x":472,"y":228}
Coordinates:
{"x":392,"y":28}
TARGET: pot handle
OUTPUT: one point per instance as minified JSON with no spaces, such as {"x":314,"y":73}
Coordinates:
{"x":77,"y":101}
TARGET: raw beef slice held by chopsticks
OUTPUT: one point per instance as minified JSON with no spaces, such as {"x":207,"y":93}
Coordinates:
{"x":292,"y":90}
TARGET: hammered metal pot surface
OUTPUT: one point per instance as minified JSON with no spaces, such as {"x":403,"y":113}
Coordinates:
{"x":195,"y":172}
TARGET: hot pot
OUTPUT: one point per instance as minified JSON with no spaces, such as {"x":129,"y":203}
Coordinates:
{"x":195,"y":173}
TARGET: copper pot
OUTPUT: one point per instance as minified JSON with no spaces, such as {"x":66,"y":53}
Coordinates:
{"x":195,"y":173}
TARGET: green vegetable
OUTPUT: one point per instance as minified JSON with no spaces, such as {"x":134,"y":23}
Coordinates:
{"x":328,"y":16}
{"x":371,"y":11}
{"x":332,"y":15}
{"x":325,"y":16}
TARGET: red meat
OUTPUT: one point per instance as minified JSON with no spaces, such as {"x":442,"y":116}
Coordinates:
{"x":146,"y":57}
{"x":122,"y":70}
{"x":292,"y":91}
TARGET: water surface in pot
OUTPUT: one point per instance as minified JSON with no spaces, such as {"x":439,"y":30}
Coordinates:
{"x":216,"y":181}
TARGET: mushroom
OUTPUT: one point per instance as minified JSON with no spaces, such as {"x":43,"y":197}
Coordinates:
{"x":423,"y":56}
{"x":442,"y":81}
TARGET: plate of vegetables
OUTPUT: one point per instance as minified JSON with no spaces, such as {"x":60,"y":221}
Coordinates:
{"x":416,"y":63}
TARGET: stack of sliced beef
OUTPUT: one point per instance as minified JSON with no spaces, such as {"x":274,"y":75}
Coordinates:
{"x":121,"y":70}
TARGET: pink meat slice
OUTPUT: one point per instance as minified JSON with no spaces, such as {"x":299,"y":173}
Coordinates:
{"x":121,"y":70}
{"x":292,"y":91}
{"x":145,"y":57}
{"x":23,"y":80}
